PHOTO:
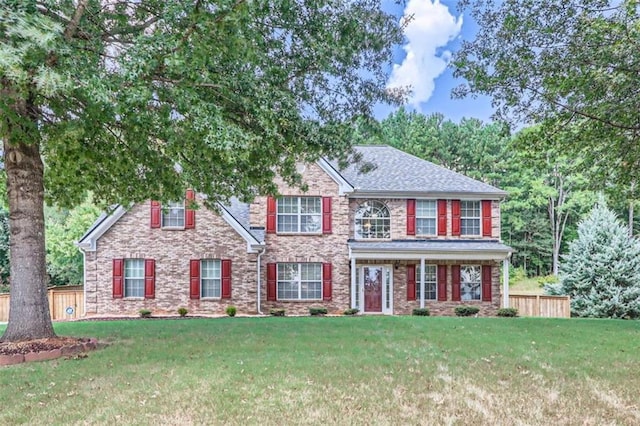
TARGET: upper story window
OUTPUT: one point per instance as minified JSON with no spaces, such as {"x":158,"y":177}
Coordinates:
{"x":299,"y":215}
{"x":426,"y":215}
{"x":372,"y":220}
{"x":173,"y":215}
{"x":470,"y":217}
{"x":470,"y":282}
{"x":134,"y":278}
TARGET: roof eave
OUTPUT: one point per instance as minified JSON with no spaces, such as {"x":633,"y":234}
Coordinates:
{"x":365,"y":193}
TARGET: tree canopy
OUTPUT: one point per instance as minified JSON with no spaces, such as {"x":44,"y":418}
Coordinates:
{"x":139,"y":100}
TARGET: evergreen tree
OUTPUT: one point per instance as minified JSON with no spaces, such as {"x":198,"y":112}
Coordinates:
{"x":601,"y":273}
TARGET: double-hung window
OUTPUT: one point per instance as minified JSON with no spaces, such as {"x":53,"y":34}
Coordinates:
{"x":426,"y":217}
{"x":299,"y":215}
{"x":134,"y":278}
{"x":430,"y":282}
{"x":470,"y":217}
{"x":173,"y":215}
{"x":299,"y":281}
{"x":210,"y":278}
{"x":470,"y":282}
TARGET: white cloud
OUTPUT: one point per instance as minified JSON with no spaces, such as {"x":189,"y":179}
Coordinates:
{"x":431,"y":29}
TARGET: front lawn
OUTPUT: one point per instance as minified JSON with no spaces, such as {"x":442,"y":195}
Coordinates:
{"x":362,"y":370}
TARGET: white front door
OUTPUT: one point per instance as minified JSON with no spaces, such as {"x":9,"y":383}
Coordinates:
{"x":375,"y":288}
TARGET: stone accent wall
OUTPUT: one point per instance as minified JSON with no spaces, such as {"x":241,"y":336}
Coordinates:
{"x":132,"y":237}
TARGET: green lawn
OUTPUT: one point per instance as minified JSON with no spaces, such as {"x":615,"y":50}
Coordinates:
{"x":362,"y":370}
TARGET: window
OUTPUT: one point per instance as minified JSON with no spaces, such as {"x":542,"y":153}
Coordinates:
{"x":430,"y":282}
{"x":299,"y":214}
{"x":134,"y":278}
{"x":173,"y":215}
{"x":372,"y":220}
{"x":470,"y":282}
{"x":210,"y":278}
{"x":470,"y":217}
{"x":426,"y":217}
{"x":299,"y":281}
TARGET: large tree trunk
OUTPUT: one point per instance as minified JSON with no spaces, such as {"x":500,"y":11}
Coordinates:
{"x":29,"y":308}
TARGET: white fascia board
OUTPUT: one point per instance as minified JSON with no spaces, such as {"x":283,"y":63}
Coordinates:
{"x":253,"y":245}
{"x":414,"y":255}
{"x":89,"y":243}
{"x":429,"y":195}
{"x":344,"y":187}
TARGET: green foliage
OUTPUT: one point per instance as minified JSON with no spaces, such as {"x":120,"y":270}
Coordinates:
{"x":145,"y":313}
{"x":546,"y":280}
{"x":601,"y":272}
{"x":517,"y":274}
{"x":421,"y":312}
{"x":231,"y":310}
{"x":351,"y":311}
{"x":317,"y":311}
{"x":507,"y":312}
{"x":277,"y":312}
{"x":466,"y":311}
{"x":183,"y":312}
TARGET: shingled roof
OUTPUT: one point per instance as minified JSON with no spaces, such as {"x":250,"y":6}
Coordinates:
{"x":402,"y":173}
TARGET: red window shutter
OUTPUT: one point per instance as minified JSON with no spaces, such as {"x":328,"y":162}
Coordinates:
{"x":194,"y":278}
{"x":411,"y":282}
{"x":486,"y":218}
{"x":442,"y":217}
{"x":411,"y":218}
{"x":326,"y":215}
{"x":189,"y":214}
{"x":226,"y":279}
{"x":149,"y":278}
{"x":271,"y":281}
{"x":442,"y":283}
{"x":455,"y":217}
{"x":455,"y":283}
{"x":326,"y":282}
{"x":118,"y":267}
{"x":271,"y":215}
{"x":486,"y":283}
{"x":156,"y":210}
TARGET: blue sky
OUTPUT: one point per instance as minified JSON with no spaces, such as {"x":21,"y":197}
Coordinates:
{"x":435,"y":32}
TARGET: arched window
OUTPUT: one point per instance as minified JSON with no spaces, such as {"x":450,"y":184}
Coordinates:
{"x":372,"y":220}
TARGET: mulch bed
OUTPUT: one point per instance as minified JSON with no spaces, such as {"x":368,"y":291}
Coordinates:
{"x":44,"y":349}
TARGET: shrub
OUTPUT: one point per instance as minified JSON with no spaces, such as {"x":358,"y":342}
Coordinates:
{"x":351,"y":311}
{"x":507,"y":312}
{"x":145,"y":313}
{"x":277,"y":312}
{"x":231,"y":311}
{"x":546,"y":280}
{"x":466,"y":311}
{"x":318,"y":311}
{"x":183,"y":312}
{"x":421,"y":312}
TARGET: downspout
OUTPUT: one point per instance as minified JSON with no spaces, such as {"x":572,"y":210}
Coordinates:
{"x":84,"y":282}
{"x":259,"y":279}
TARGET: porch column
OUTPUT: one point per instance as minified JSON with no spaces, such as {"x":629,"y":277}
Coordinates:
{"x":505,"y":283}
{"x":422,"y":282}
{"x":353,"y":282}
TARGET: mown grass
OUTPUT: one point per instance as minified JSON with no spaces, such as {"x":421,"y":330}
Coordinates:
{"x":362,"y":370}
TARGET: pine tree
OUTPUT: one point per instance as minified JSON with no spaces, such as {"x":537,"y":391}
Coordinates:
{"x":601,"y":272}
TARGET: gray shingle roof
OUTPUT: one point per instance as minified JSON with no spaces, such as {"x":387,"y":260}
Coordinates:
{"x":240,"y":211}
{"x":397,"y":171}
{"x":432,"y":245}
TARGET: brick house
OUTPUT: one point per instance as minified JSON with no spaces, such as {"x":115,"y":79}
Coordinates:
{"x":407,"y":234}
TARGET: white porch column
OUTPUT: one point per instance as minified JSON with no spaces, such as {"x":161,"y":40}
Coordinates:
{"x":422,"y":282}
{"x":505,"y":283}
{"x":353,"y":282}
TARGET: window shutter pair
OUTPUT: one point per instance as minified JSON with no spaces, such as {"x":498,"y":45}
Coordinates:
{"x":149,"y":278}
{"x":326,"y":215}
{"x":486,"y":218}
{"x":189,"y":214}
{"x":441,"y":221}
{"x":327,"y":281}
{"x":412,"y":282}
{"x":486,"y":283}
{"x":194,"y":278}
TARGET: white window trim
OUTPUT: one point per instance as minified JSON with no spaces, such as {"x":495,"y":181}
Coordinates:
{"x":299,"y":215}
{"x":299,"y":281}
{"x":184,"y":216}
{"x":418,"y":282}
{"x":358,"y":216}
{"x":202,"y":278}
{"x":435,"y":218}
{"x":126,"y":278}
{"x":479,"y":283}
{"x":479,"y":217}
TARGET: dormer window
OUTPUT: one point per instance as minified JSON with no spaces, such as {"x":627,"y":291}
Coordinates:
{"x":173,"y":215}
{"x":372,"y":220}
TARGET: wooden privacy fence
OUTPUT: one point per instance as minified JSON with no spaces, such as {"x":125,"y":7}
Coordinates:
{"x":540,"y":305}
{"x":65,"y":303}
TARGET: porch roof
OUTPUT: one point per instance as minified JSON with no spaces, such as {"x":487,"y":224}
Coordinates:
{"x":430,"y":249}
